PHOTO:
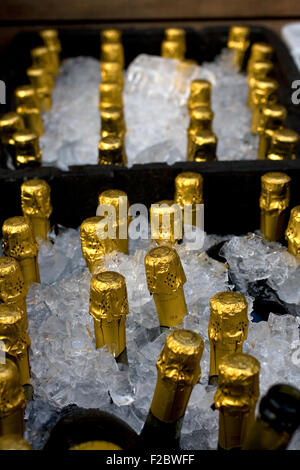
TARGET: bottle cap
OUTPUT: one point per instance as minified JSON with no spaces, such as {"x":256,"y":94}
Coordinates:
{"x":200,"y":94}
{"x":260,"y":69}
{"x":166,"y":221}
{"x":112,"y":122}
{"x":119,"y":200}
{"x":92,"y":246}
{"x":273,"y":116}
{"x":111,"y":151}
{"x":18,"y":240}
{"x":51,"y":39}
{"x":12,"y":397}
{"x":292,"y":233}
{"x":238,"y":383}
{"x":275,"y":191}
{"x":27,"y":147}
{"x":108,"y":296}
{"x":172,"y":50}
{"x":10,"y":123}
{"x":228,"y":322}
{"x":16,"y":340}
{"x":260,"y":51}
{"x":283,"y":145}
{"x":280,"y":407}
{"x":164,"y":270}
{"x":203,"y":146}
{"x":12,"y":285}
{"x":201,"y":119}
{"x":264,"y":91}
{"x":35,"y":198}
{"x":111,"y":35}
{"x":238,"y":38}
{"x":14,"y":442}
{"x":41,"y":58}
{"x":40,"y":77}
{"x":188,"y":188}
{"x":175,"y":34}
{"x":111,"y":72}
{"x":112,"y":52}
{"x":110,"y":95}
{"x":25,"y":96}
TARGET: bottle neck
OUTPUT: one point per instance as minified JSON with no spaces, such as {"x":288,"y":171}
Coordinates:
{"x":158,"y":434}
{"x":262,"y":436}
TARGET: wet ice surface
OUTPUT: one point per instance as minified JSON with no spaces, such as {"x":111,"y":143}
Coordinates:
{"x":155,"y":95}
{"x":66,"y":368}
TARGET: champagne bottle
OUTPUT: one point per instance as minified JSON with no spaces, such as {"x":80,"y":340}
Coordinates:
{"x":189,"y":191}
{"x":274,"y":201}
{"x":283,"y":145}
{"x":174,"y":44}
{"x":111,"y":72}
{"x":89,"y":429}
{"x":112,"y":122}
{"x":227,"y":329}
{"x":42,"y":82}
{"x":13,"y":290}
{"x":28,"y":107}
{"x":200,"y":120}
{"x":41,"y":58}
{"x":92,"y":246}
{"x":12,"y":400}
{"x":112,"y":52}
{"x":278,"y":419}
{"x":19,"y":243}
{"x":178,"y":370}
{"x":273,"y":117}
{"x":236,"y":397}
{"x":10,"y":123}
{"x":109,"y":307}
{"x":260,"y":70}
{"x":110,"y":95}
{"x":200,"y":94}
{"x":165,"y":279}
{"x":239,"y":41}
{"x":27,"y":149}
{"x":264,"y":92}
{"x":260,"y":51}
{"x":112,"y":151}
{"x":14,"y":442}
{"x":36,"y":205}
{"x":203,"y":147}
{"x":166,"y":222}
{"x":292,"y":233}
{"x":52,"y":43}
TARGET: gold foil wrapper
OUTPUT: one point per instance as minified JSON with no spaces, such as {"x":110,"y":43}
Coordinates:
{"x":259,"y":71}
{"x":93,"y":247}
{"x":292,"y":233}
{"x":26,"y":97}
{"x":236,"y":397}
{"x":14,"y":442}
{"x":263,"y":92}
{"x":178,"y":370}
{"x":200,"y":94}
{"x":10,"y":123}
{"x":110,"y":95}
{"x":41,"y":58}
{"x":273,"y":202}
{"x":40,"y":78}
{"x":12,"y":398}
{"x":112,"y":52}
{"x":110,"y":36}
{"x":32,"y":120}
{"x":239,"y":41}
{"x":227,"y":328}
{"x":202,"y":147}
{"x":52,"y":43}
{"x":172,"y":50}
{"x":111,"y":72}
{"x":36,"y":205}
{"x":109,"y":307}
{"x":272,"y":118}
{"x":283,"y":145}
{"x":112,"y":122}
{"x":119,"y":201}
{"x":165,"y":279}
{"x":260,"y":51}
{"x":96,"y":445}
{"x":188,"y":188}
{"x":166,"y":222}
{"x":16,"y":340}
{"x":13,"y":289}
{"x":201,"y":118}
{"x":111,"y":151}
{"x":175,"y":34}
{"x":27,"y":148}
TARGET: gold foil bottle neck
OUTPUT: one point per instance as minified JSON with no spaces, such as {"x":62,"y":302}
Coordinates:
{"x":112,"y":52}
{"x":110,"y":95}
{"x":35,"y":198}
{"x":27,"y":147}
{"x":275,"y":191}
{"x":172,"y":50}
{"x":164,"y":270}
{"x":228,"y":317}
{"x":41,"y":58}
{"x":203,"y":147}
{"x":179,"y":360}
{"x":273,"y":116}
{"x":175,"y":34}
{"x":200,"y":94}
{"x":51,"y":39}
{"x":12,"y":333}
{"x":12,"y":285}
{"x":111,"y":36}
{"x":96,"y":445}
{"x":40,"y":78}
{"x":188,"y":188}
{"x":260,"y":69}
{"x":14,"y":442}
{"x":10,"y":123}
{"x":112,"y":122}
{"x":238,"y":383}
{"x":111,"y":72}
{"x":260,"y":51}
{"x":92,"y":246}
{"x":238,"y":38}
{"x":201,"y":118}
{"x":111,"y":151}
{"x":264,"y":91}
{"x":25,"y":96}
{"x":283,"y":144}
{"x":118,"y":199}
{"x":12,"y":397}
{"x":166,"y":222}
{"x":292,"y":233}
{"x":18,"y":240}
{"x":108,"y":296}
